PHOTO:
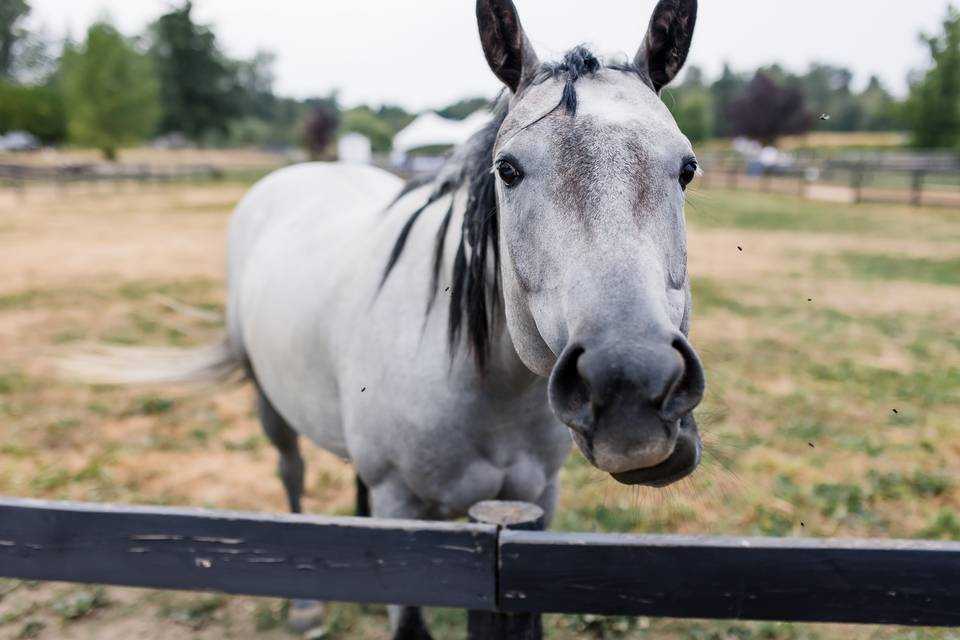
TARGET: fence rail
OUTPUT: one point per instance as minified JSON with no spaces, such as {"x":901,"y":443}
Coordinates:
{"x":849,"y":178}
{"x":20,"y":174}
{"x":347,"y":559}
{"x":481,"y":566}
{"x":802,"y":580}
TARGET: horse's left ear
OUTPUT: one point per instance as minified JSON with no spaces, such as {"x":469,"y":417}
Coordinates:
{"x":665,"y":47}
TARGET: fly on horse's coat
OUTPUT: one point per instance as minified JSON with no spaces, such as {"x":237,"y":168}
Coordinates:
{"x":453,"y":336}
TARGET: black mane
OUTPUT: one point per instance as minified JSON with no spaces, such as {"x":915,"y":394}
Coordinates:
{"x":473,"y":300}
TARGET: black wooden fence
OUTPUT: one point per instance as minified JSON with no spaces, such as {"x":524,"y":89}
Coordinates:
{"x":21,"y":175}
{"x":510,"y":574}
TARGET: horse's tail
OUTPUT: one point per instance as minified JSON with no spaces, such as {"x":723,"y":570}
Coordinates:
{"x":102,"y":364}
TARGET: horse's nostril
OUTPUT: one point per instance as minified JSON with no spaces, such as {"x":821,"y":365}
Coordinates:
{"x":569,"y":392}
{"x":686,"y":390}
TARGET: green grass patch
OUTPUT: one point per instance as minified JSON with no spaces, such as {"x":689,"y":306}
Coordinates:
{"x":725,"y":630}
{"x":196,"y":614}
{"x":862,"y":444}
{"x":189,"y":290}
{"x":600,"y":518}
{"x":602,"y":627}
{"x":840,"y":500}
{"x":770,"y":212}
{"x":80,"y":603}
{"x":769,"y":522}
{"x":11,"y":382}
{"x":708,"y":295}
{"x":926,"y":484}
{"x":21,"y":299}
{"x":868,"y":266}
{"x":943,"y":526}
{"x":152,"y":406}
{"x":14,"y":616}
{"x":893,"y":485}
{"x":270,"y":615}
{"x":804,"y":429}
{"x":32,"y":629}
{"x":925,"y":387}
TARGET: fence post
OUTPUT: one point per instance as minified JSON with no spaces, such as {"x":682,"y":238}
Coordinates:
{"x":916,"y":188}
{"x":491,"y":625}
{"x":856,"y":182}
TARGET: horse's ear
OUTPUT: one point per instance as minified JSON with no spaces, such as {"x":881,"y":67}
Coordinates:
{"x":508,"y":51}
{"x":665,"y":47}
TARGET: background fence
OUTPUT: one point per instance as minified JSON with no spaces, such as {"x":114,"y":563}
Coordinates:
{"x":916,"y":179}
{"x":21,"y":176}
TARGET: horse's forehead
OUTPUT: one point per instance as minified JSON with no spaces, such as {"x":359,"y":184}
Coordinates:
{"x":612,"y":105}
{"x":620,"y":99}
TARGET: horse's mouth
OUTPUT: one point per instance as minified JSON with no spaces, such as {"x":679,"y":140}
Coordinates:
{"x":681,"y":463}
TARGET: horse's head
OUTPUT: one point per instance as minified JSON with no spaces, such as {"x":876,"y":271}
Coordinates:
{"x":591,"y":177}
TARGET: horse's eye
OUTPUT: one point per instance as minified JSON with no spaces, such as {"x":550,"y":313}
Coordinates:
{"x":688,"y":173}
{"x":510,"y":175}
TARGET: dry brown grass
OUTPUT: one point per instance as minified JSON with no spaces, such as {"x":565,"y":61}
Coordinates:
{"x":784,"y":373}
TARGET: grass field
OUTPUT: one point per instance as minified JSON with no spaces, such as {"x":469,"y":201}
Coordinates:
{"x":829,"y":334}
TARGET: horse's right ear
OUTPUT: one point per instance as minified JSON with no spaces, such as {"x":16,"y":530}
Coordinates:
{"x":508,"y":51}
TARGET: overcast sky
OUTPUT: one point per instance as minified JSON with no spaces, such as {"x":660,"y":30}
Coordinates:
{"x":425,"y":53}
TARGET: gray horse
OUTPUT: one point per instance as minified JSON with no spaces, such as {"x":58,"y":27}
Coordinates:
{"x":453,"y":339}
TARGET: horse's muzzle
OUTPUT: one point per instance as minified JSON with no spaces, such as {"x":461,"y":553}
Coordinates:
{"x":629,"y":405}
{"x":681,"y":463}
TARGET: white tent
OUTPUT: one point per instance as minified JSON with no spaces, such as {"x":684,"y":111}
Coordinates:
{"x":355,"y":148}
{"x":429,"y":130}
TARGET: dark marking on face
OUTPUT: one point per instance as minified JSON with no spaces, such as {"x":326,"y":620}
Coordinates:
{"x":594,"y":161}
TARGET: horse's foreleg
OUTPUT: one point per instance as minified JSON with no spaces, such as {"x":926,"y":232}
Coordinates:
{"x":391,"y":499}
{"x":363,"y":499}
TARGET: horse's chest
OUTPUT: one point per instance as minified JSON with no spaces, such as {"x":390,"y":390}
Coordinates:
{"x":508,"y":459}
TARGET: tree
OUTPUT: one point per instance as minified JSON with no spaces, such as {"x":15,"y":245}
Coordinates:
{"x":255,"y":78}
{"x":396,"y":117}
{"x":110,"y":91}
{"x":364,"y":121}
{"x":199,"y":89}
{"x":462,"y":108}
{"x":723,"y":91}
{"x":692,"y":106}
{"x":827,"y":89}
{"x":38,"y":110}
{"x":11,"y":14}
{"x":879,"y":111}
{"x":766,"y":110}
{"x":933,"y":108}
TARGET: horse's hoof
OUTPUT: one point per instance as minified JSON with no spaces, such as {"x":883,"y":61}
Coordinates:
{"x":306,"y":617}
